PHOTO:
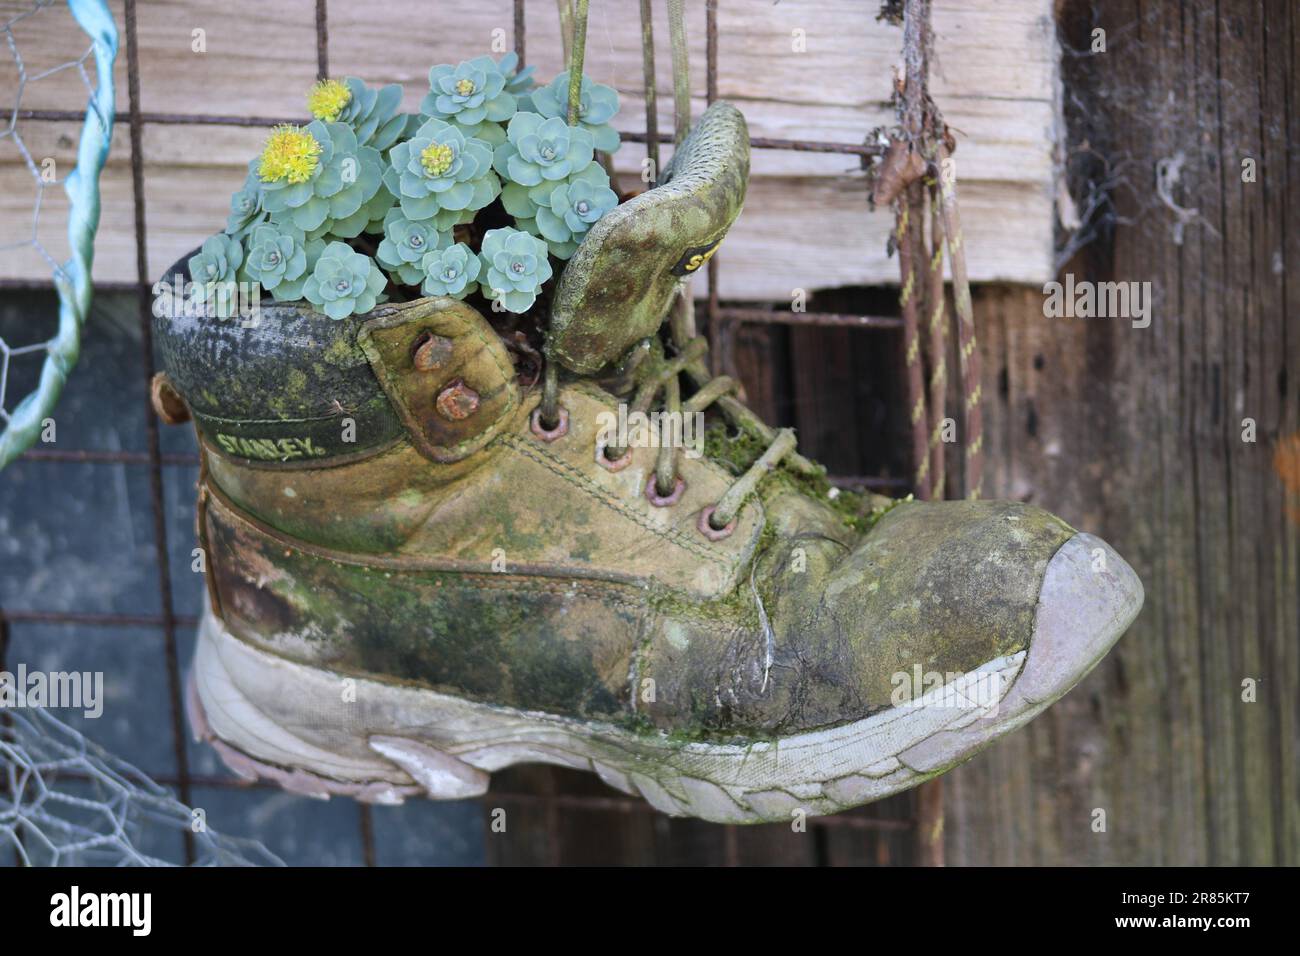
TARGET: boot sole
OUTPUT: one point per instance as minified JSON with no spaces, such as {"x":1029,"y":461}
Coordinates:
{"x":321,"y":733}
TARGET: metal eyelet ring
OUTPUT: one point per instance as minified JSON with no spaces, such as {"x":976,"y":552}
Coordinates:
{"x":612,"y":464}
{"x":710,"y":532}
{"x":660,"y":501}
{"x":549,"y":434}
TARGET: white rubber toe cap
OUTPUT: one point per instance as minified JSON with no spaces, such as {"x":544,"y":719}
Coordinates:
{"x":1089,"y":598}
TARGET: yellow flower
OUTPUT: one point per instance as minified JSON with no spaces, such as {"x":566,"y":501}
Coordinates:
{"x":465,"y":87}
{"x":436,"y":159}
{"x":290,"y":154}
{"x":327,"y":99}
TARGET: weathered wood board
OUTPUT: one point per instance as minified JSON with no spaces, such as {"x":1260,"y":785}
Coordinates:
{"x":800,"y":69}
{"x":1187,"y":736}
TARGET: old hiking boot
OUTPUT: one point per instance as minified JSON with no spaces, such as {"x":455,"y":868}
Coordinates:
{"x":418,"y":574}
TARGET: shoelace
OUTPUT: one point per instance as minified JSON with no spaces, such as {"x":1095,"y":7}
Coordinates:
{"x":718,"y":520}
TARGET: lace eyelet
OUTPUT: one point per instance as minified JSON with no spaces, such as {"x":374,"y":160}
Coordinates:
{"x":612,"y":464}
{"x":549,"y":434}
{"x":661,"y":501}
{"x":710,"y":532}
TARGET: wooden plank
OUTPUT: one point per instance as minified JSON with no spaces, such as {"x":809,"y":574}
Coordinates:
{"x":1279,"y":610}
{"x":1246,"y":487}
{"x":1171,"y":533}
{"x":802,"y":233}
{"x":46,"y":41}
{"x":817,"y":234}
{"x":115,"y":242}
{"x":259,"y":61}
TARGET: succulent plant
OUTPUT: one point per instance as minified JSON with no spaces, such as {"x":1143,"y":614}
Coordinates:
{"x":217,"y":262}
{"x":280,"y":258}
{"x":406,"y":243}
{"x":514,"y":267}
{"x":518,"y":81}
{"x":522,"y":202}
{"x":318,"y":178}
{"x":372,"y":114}
{"x":325,"y":100}
{"x":344,"y":282}
{"x":246,"y":205}
{"x":563,"y":212}
{"x":597,"y":105}
{"x":538,"y":150}
{"x":485,"y":129}
{"x":369,"y":218}
{"x":440,"y":174}
{"x":473,"y":95}
{"x":450,"y":271}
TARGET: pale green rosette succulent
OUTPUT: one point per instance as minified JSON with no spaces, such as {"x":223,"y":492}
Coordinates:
{"x":440,"y":174}
{"x":451,"y":271}
{"x":514,"y":268}
{"x":518,"y":81}
{"x":565,"y":211}
{"x":541,"y":150}
{"x":413,"y":123}
{"x":246,"y":206}
{"x":322,"y":189}
{"x":597,"y":105}
{"x":369,"y":218}
{"x":405,"y":245}
{"x":522,"y":202}
{"x":472,"y":95}
{"x":217,"y":263}
{"x":344,"y":282}
{"x":372,"y":114}
{"x":279,"y":259}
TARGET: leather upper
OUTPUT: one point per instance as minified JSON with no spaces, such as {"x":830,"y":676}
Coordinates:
{"x":464,"y":550}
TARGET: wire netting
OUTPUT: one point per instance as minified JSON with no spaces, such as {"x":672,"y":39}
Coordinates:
{"x":63,"y":799}
{"x":67,"y":802}
{"x":88,"y":35}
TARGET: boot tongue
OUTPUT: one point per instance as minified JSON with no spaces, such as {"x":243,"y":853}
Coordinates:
{"x":619,"y":284}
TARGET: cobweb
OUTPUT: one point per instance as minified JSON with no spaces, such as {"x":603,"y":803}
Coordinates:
{"x":1147,"y":183}
{"x":65,"y":801}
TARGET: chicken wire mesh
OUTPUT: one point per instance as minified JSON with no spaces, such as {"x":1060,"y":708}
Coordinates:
{"x":71,"y":277}
{"x":64,"y":801}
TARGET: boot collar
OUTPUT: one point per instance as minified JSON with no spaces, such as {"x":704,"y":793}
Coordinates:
{"x":446,"y":373}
